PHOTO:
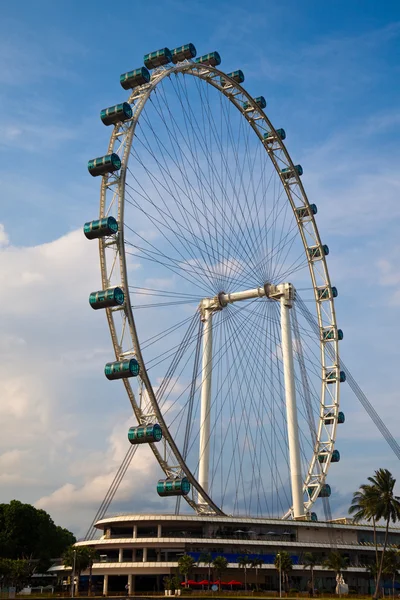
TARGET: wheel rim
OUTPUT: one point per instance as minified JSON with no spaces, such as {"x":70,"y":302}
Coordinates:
{"x":118,"y":194}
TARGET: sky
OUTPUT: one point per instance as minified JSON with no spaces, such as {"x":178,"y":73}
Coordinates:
{"x":330,"y":73}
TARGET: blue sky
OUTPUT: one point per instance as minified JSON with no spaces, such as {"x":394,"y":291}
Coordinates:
{"x":330,"y":73}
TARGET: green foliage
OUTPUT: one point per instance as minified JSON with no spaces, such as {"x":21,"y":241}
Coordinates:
{"x":310,"y":561}
{"x":220,"y":564}
{"x":185,"y":565}
{"x":336,"y":562}
{"x":283,"y":562}
{"x":167,"y":581}
{"x":26,"y":532}
{"x":78,"y":555}
{"x":15,"y":573}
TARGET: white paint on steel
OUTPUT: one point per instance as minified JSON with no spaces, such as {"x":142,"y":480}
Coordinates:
{"x":205,"y":417}
{"x":291,"y":409}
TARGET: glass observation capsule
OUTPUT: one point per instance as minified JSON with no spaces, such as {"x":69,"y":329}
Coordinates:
{"x":121,"y":369}
{"x":173,"y":487}
{"x":271,"y":137}
{"x":288,"y":172}
{"x":330,"y":334}
{"x":324,"y":455}
{"x":100,"y":228}
{"x":237,"y":76}
{"x":116,"y":114}
{"x":106,"y":298}
{"x":212,"y":59}
{"x":313,"y":517}
{"x":325,"y":491}
{"x":158,"y":58}
{"x":306,"y":211}
{"x":104,"y":164}
{"x":329,"y":418}
{"x":260,"y":101}
{"x":145,"y":434}
{"x":325,"y":293}
{"x":317,"y":252}
{"x":186,"y":52}
{"x":331,"y":376}
{"x":135,"y":78}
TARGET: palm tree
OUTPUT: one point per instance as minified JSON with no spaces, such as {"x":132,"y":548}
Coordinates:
{"x":206,"y":559}
{"x":363,"y":508}
{"x":387,"y":507}
{"x":284,"y":564}
{"x":244,"y":562}
{"x":336,"y":562}
{"x":310,"y":561}
{"x":92,"y":556}
{"x":255,"y":563}
{"x":78,"y":557}
{"x":185,"y":566}
{"x":391,"y":565}
{"x":220,"y":564}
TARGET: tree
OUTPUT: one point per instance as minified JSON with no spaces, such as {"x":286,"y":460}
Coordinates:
{"x":26,"y":531}
{"x":15,"y":573}
{"x":244,"y":562}
{"x":310,"y":561}
{"x":185,"y":566}
{"x":255,"y":563}
{"x":206,"y":559}
{"x":391,"y":565}
{"x":92,"y":556}
{"x":284,"y":564}
{"x":336,"y":562}
{"x":220,"y":565}
{"x":387,"y":507}
{"x":78,"y":556}
{"x":363,"y":508}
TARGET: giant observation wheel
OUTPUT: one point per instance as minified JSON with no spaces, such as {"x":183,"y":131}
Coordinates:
{"x":217,"y":292}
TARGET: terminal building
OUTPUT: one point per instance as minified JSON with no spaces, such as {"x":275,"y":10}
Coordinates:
{"x":141,"y":550}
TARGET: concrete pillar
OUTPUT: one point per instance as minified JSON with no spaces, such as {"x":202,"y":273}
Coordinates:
{"x":144,"y":554}
{"x":159,"y":530}
{"x":134,"y":555}
{"x":105,"y":585}
{"x":135,"y":531}
{"x":120,"y":555}
{"x":158,"y":555}
{"x":130,"y":584}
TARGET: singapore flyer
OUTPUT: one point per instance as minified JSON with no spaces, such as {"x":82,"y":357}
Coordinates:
{"x":215,"y":285}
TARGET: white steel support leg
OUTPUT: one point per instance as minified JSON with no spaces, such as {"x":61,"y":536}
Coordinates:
{"x":291,"y":411}
{"x":204,"y":453}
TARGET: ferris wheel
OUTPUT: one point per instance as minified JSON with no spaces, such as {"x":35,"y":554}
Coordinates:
{"x":217,"y":292}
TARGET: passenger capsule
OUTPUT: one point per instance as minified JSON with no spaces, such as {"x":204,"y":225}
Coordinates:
{"x":104,"y":164}
{"x":313,"y":517}
{"x":173,"y":487}
{"x":325,"y":491}
{"x":237,"y":76}
{"x":106,"y":298}
{"x":260,"y":101}
{"x":271,"y":137}
{"x":332,"y":334}
{"x":324,"y":455}
{"x":317,"y":252}
{"x":304,"y":212}
{"x":145,"y":434}
{"x":116,"y":114}
{"x":288,"y":172}
{"x":325,"y":293}
{"x":135,"y":78}
{"x":186,"y":52}
{"x":329,"y":418}
{"x":331,"y":376}
{"x":158,"y":58}
{"x":122,"y":369}
{"x":100,"y":228}
{"x":212,"y":59}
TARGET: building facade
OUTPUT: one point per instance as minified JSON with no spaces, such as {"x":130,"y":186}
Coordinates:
{"x":141,"y":550}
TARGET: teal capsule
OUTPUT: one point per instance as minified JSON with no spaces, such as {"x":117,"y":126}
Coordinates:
{"x":304,"y":212}
{"x":106,"y":298}
{"x":122,"y":369}
{"x":158,"y":58}
{"x":100,"y":228}
{"x":104,"y":164}
{"x":260,"y":101}
{"x":212,"y":59}
{"x":135,"y":78}
{"x":145,"y":434}
{"x":186,"y":52}
{"x":173,"y":487}
{"x":116,"y":114}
